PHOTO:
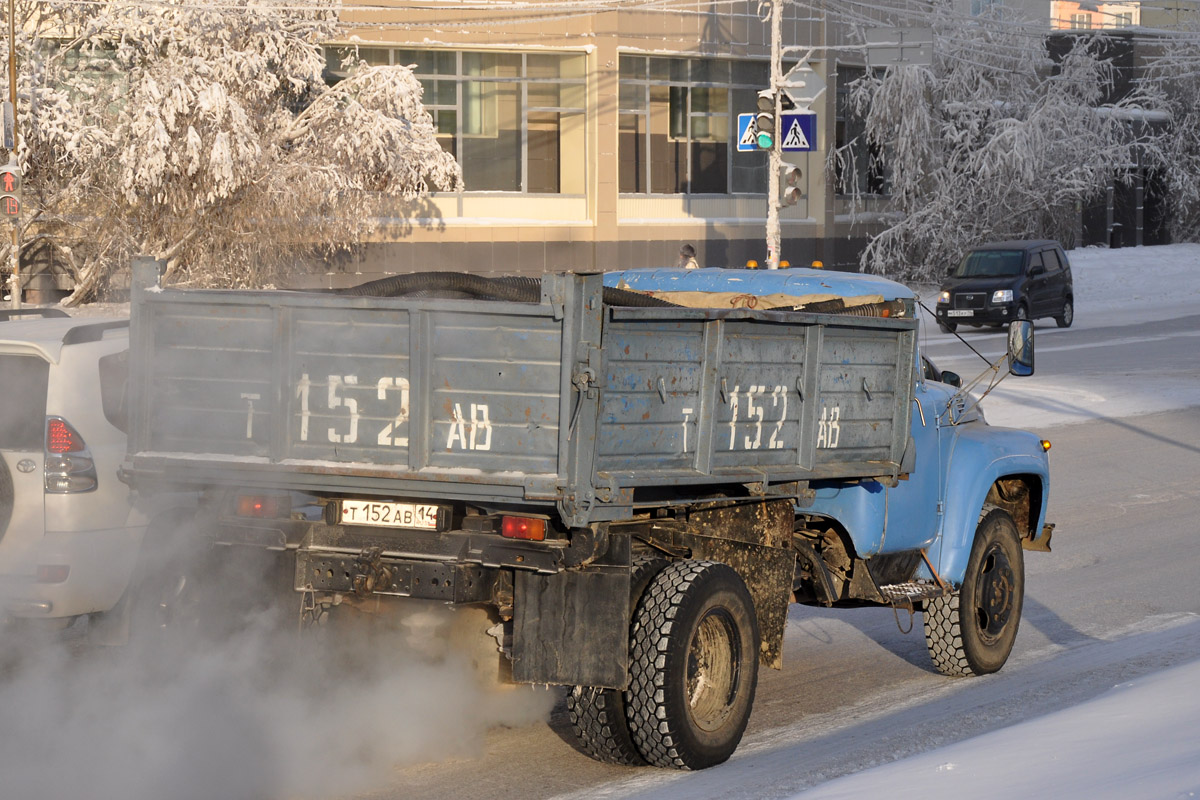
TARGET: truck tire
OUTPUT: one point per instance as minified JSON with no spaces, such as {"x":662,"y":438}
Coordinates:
{"x":694,"y":666}
{"x":972,"y":631}
{"x":597,"y":714}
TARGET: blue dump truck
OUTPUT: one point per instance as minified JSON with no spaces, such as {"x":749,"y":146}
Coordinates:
{"x":635,"y":473}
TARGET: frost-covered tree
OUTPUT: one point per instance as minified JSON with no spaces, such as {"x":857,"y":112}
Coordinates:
{"x":208,"y":137}
{"x":1171,"y":79}
{"x":996,"y":140}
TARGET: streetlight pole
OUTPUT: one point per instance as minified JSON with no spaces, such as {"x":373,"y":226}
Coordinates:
{"x":14,"y":278}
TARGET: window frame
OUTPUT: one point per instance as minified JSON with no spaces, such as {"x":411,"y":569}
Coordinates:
{"x":523,"y":80}
{"x":665,"y":71}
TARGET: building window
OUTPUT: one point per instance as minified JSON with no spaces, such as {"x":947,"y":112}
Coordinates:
{"x":1122,"y":19}
{"x":678,"y":118}
{"x":1081,"y":22}
{"x":514,"y":121}
{"x":859,"y":163}
{"x":991,"y":8}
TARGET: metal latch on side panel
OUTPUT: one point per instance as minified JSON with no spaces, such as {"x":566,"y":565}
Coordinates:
{"x":584,"y":381}
{"x":584,"y":377}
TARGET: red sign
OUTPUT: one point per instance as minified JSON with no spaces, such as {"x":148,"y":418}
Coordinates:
{"x":11,"y":206}
{"x":10,"y":182}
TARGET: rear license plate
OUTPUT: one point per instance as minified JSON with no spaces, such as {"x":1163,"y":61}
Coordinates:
{"x":960,"y":312}
{"x":389,"y":515}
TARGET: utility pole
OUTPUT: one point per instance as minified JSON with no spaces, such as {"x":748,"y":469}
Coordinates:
{"x":775,"y":156}
{"x":14,"y":278}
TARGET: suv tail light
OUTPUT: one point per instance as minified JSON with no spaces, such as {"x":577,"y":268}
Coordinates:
{"x":69,"y":466}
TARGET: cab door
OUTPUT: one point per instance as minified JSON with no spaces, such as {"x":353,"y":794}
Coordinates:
{"x":912,"y":504}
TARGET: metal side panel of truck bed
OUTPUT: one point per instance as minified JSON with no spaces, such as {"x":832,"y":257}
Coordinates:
{"x":567,"y":402}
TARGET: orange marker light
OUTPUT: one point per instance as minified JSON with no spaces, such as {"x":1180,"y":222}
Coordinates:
{"x":523,"y":528}
{"x":1046,"y":445}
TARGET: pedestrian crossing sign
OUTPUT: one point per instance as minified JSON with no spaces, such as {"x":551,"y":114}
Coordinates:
{"x":800,"y":132}
{"x":747,"y":133}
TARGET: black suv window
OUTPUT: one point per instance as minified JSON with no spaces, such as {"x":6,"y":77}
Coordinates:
{"x":1052,"y":263}
{"x":23,"y":401}
{"x":1035,"y":261}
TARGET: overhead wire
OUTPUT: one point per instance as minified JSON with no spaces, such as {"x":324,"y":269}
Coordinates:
{"x":851,"y":13}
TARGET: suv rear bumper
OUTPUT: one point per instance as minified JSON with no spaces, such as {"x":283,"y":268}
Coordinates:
{"x":99,"y":566}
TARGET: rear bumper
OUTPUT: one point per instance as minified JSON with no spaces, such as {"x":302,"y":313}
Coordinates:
{"x":398,"y":577}
{"x":98,"y":566}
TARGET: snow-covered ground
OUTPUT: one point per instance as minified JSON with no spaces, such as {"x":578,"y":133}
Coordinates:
{"x":1139,"y":740}
{"x":1113,"y":288}
{"x":1142,"y":738}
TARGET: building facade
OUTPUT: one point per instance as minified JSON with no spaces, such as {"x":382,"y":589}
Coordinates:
{"x":595,"y":139}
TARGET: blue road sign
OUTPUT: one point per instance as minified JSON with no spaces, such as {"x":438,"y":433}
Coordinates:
{"x":747,"y":130}
{"x":799,"y":131}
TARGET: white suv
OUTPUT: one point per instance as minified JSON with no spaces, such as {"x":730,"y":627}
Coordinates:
{"x":69,"y":533}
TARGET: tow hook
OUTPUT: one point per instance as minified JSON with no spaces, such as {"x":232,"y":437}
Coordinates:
{"x":370,"y":572}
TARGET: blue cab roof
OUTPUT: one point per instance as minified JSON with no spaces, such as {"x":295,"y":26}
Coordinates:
{"x":794,"y":281}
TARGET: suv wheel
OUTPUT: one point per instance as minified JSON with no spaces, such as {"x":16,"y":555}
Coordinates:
{"x":1067,"y":316}
{"x":947,"y":327}
{"x":1022,"y":313}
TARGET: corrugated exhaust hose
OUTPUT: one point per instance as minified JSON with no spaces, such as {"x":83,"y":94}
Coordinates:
{"x":464,"y":284}
{"x":517,"y":289}
{"x":888,"y":308}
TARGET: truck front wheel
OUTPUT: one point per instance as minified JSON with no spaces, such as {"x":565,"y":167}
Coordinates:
{"x":694,"y":666}
{"x":972,"y":631}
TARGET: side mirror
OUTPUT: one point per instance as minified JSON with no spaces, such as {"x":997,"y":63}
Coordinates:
{"x":1020,"y":348}
{"x":1036,"y":269}
{"x":951,"y":379}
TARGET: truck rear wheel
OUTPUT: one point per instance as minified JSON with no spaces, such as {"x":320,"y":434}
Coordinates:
{"x":694,"y":666}
{"x":972,"y":631}
{"x":598,"y":716}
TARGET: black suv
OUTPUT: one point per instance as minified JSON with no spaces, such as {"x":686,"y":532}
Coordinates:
{"x":1003,"y":281}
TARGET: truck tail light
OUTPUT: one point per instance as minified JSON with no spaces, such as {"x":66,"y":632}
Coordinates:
{"x":69,"y":465}
{"x":263,"y":506}
{"x":523,"y":528}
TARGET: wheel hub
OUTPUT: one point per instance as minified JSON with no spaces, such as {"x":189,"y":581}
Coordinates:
{"x":712,"y":670}
{"x":995,"y":594}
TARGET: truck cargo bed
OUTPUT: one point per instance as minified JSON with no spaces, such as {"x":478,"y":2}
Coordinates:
{"x":568,"y":402}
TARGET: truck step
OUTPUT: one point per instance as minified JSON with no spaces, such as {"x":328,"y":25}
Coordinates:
{"x":905,"y":594}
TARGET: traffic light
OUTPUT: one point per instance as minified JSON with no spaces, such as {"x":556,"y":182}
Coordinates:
{"x":764,"y":120}
{"x":791,"y":184}
{"x":10,"y":191}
